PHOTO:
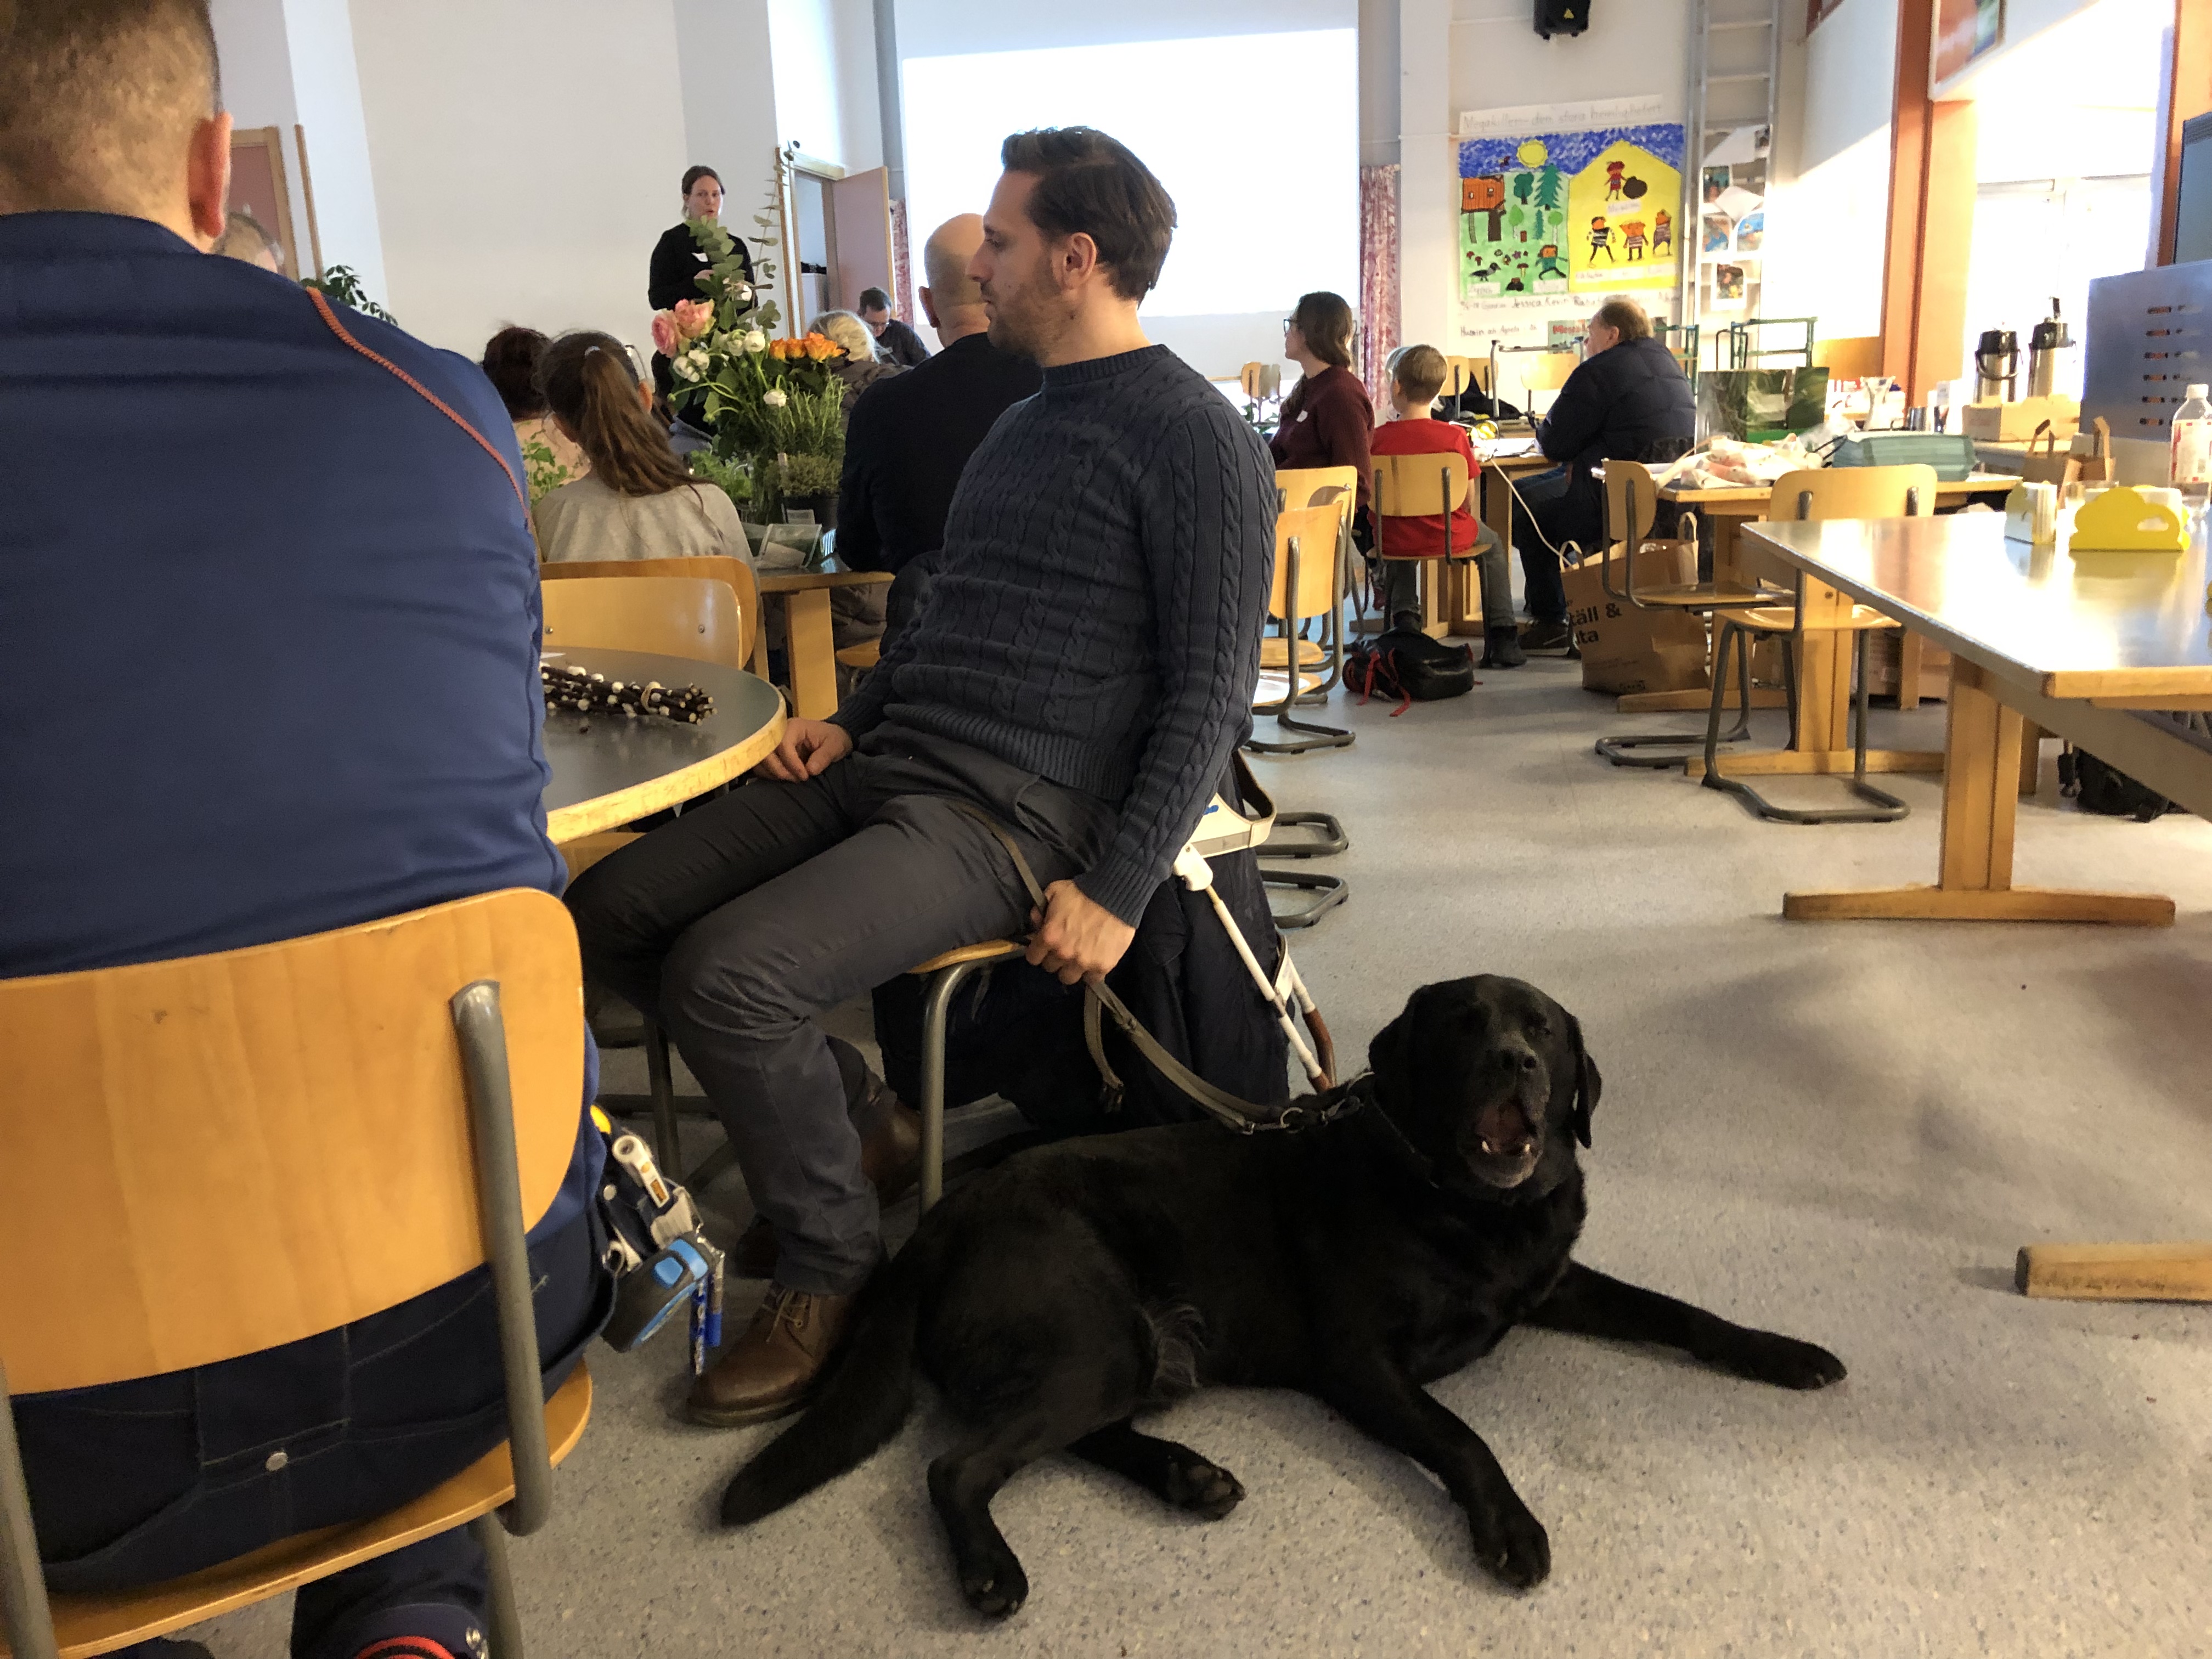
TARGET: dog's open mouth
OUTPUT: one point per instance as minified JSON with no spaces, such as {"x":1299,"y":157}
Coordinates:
{"x":1503,"y":1144}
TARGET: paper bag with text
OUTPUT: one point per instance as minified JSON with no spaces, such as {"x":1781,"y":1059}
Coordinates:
{"x":1626,"y":648}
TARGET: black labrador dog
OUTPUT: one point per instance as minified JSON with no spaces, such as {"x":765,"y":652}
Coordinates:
{"x":1077,"y":1284}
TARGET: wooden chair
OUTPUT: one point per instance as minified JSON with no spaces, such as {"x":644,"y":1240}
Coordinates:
{"x":734,"y":573}
{"x":1461,"y":373}
{"x":1308,"y":581}
{"x":278,"y":1141}
{"x":1260,"y":381}
{"x":1850,"y":492}
{"x":1631,"y":501}
{"x":1425,"y":486}
{"x":1317,"y":486}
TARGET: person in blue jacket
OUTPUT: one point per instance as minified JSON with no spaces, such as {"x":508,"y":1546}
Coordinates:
{"x":1628,"y":401}
{"x":269,"y":632}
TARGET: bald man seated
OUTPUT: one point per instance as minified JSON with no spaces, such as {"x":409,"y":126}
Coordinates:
{"x":911,"y":434}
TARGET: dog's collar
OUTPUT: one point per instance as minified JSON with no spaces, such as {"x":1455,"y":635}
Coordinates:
{"x":1421,"y":1167}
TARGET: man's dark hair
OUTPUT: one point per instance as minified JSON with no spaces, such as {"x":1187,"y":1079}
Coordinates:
{"x":872,"y":299}
{"x":97,"y":98}
{"x":693,"y":175}
{"x":1088,"y":182}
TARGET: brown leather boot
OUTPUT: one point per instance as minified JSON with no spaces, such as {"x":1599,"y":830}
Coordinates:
{"x":892,"y":1160}
{"x":770,"y":1370}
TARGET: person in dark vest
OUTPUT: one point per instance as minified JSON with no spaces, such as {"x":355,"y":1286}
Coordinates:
{"x":1080,"y":670}
{"x":1628,"y":401}
{"x":678,"y":260}
{"x":911,"y":436}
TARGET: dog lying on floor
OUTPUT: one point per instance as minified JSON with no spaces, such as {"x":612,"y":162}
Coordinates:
{"x":1077,"y":1284}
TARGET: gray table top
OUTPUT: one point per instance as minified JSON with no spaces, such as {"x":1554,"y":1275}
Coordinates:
{"x":2091,"y":625}
{"x":598,"y":755}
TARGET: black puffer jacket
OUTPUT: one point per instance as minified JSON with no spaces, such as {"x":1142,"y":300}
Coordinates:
{"x":1629,"y":404}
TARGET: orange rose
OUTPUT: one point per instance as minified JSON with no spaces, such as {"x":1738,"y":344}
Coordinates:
{"x":819,"y":346}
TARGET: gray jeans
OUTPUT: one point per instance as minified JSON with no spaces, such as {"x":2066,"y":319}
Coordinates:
{"x":740,"y":920}
{"x":1402,"y":584}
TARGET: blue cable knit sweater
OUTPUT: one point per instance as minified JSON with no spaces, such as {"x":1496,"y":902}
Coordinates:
{"x":1094,"y":615}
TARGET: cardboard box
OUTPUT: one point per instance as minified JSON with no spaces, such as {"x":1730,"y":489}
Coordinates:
{"x":1626,"y":648}
{"x":2015,"y":423}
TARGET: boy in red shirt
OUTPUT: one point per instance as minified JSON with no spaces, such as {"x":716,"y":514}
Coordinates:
{"x":1417,"y":375}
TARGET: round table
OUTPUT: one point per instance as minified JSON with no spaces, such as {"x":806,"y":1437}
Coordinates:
{"x":608,"y":770}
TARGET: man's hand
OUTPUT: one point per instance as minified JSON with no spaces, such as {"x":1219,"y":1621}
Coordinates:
{"x":1076,"y":938}
{"x":807,"y":749}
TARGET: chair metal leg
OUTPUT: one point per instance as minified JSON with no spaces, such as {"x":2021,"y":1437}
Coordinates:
{"x":1326,"y":839}
{"x":1619,"y":749}
{"x":667,"y":1141}
{"x":1882,"y":808}
{"x":505,"y":1619}
{"x":936,"y":1017}
{"x":1333,"y":891}
{"x":24,"y":1614}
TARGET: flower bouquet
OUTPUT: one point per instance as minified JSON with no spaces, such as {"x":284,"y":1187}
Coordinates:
{"x":777,"y":404}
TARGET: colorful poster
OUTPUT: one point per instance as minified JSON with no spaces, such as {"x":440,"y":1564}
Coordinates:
{"x":1570,"y":214}
{"x":1965,"y":29}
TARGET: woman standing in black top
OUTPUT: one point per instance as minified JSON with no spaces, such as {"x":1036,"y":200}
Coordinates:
{"x":678,"y":260}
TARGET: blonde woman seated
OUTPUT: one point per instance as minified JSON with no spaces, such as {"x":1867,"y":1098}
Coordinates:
{"x":637,"y":502}
{"x":861,"y":369}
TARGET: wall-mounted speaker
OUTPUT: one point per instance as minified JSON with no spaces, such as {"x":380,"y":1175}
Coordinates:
{"x":1562,"y":17}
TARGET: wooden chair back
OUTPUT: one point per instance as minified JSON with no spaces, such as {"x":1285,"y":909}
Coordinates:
{"x":1854,"y":492}
{"x":1315,"y":529}
{"x":1547,"y":371}
{"x":675,"y":615}
{"x":1260,"y":379}
{"x":1419,"y":486}
{"x":719,"y":567}
{"x":1631,"y":501}
{"x":1300,"y":487}
{"x":270,"y":1142}
{"x":1849,"y":357}
{"x":1461,"y":373}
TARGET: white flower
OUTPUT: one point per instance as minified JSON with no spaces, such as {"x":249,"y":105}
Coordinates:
{"x":774,"y":398}
{"x":742,"y":293}
{"x":697,"y":356}
{"x":755,"y":342}
{"x":682,"y":367}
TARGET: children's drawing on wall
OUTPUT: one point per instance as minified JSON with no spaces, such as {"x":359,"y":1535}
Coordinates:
{"x":1569,"y":213}
{"x":1751,"y":231}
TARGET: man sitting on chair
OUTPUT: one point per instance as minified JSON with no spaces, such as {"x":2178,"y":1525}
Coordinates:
{"x":274,"y":697}
{"x":1417,"y":375}
{"x":1628,"y":401}
{"x":1079,"y":671}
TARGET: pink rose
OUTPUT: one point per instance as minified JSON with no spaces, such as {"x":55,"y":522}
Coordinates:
{"x":664,"y":340}
{"x":694,"y":318}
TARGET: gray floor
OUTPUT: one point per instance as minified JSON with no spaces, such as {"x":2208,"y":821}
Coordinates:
{"x":1843,"y":1131}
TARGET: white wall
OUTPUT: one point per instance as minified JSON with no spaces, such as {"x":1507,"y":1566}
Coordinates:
{"x":1850,"y":79}
{"x":729,"y":101}
{"x":326,"y":84}
{"x":826,"y":101}
{"x":528,"y":154}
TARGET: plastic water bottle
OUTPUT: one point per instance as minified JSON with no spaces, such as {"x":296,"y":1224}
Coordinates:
{"x":2192,"y":441}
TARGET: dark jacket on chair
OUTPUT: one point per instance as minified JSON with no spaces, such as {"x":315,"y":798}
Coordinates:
{"x":1630,"y":403}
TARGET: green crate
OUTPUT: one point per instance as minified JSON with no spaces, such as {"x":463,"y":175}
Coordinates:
{"x":1951,"y":453}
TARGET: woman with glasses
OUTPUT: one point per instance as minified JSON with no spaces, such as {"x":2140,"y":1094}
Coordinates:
{"x":1327,"y":418}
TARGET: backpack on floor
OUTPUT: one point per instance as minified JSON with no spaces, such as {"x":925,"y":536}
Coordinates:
{"x":1406,"y":663}
{"x":2097,"y":786}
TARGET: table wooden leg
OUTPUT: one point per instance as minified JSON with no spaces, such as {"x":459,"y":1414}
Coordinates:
{"x":1909,"y":647}
{"x":2117,"y":1273}
{"x":2030,"y":758}
{"x":1981,"y":788}
{"x":1462,"y":581}
{"x":810,"y":652}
